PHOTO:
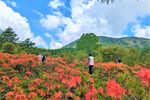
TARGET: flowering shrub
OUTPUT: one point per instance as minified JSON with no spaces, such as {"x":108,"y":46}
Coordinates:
{"x":144,"y":75}
{"x":24,"y":77}
{"x":113,"y":89}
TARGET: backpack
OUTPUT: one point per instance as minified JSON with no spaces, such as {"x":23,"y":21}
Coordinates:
{"x":43,"y":58}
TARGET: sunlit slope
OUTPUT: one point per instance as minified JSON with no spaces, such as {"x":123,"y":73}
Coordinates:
{"x":126,"y":41}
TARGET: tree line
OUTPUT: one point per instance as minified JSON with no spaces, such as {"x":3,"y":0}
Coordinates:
{"x":10,"y":43}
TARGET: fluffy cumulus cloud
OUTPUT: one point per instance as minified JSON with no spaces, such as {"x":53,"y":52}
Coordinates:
{"x":141,"y":31}
{"x":55,"y":4}
{"x":50,"y":21}
{"x":20,"y":24}
{"x":39,"y":41}
{"x":48,"y":35}
{"x":55,"y":45}
{"x":91,"y":16}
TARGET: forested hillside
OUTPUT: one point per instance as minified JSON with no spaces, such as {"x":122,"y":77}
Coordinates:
{"x":129,"y":42}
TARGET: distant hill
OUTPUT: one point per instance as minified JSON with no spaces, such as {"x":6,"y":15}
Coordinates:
{"x":129,"y":42}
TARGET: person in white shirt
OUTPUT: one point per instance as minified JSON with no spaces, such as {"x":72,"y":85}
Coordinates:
{"x":90,"y":62}
{"x":40,"y":57}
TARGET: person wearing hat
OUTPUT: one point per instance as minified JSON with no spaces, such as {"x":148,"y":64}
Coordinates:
{"x":119,"y":61}
{"x":90,"y":62}
{"x":43,"y":58}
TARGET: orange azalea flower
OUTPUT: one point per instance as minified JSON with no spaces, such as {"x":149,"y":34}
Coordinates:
{"x":72,"y":82}
{"x":5,"y":65}
{"x":17,"y":70}
{"x":144,"y":75}
{"x":0,"y":88}
{"x":94,"y":99}
{"x":86,"y":73}
{"x":135,"y":72}
{"x":27,"y":68}
{"x":5,"y":78}
{"x":9,"y":95}
{"x":93,"y":91}
{"x":19,"y":81}
{"x":31,"y":88}
{"x":78,"y":72}
{"x":69,"y":94}
{"x":77,"y":98}
{"x":102,"y":74}
{"x":101,"y":91}
{"x":78,"y":79}
{"x":28,"y":72}
{"x":42,"y":93}
{"x":64,"y":81}
{"x":51,"y":87}
{"x":113,"y":89}
{"x":72,"y":64}
{"x":58,"y":86}
{"x":91,"y":80}
{"x":29,"y":85}
{"x":13,"y":71}
{"x":58,"y":95}
{"x":114,"y":71}
{"x":117,"y":76}
{"x":15,"y":86}
{"x":64,"y":85}
{"x":33,"y":65}
{"x":9,"y":83}
{"x":19,"y":91}
{"x":32,"y":95}
{"x":15,"y":79}
{"x":88,"y":95}
{"x":20,"y":97}
{"x":26,"y":77}
{"x":46,"y":84}
{"x":129,"y":91}
{"x":2,"y":73}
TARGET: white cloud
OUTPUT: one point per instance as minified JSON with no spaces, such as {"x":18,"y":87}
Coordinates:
{"x":141,"y":31}
{"x":48,"y":35}
{"x":40,"y":14}
{"x":20,"y":24}
{"x":55,"y":4}
{"x":12,"y":3}
{"x":55,"y":45}
{"x":39,"y":41}
{"x":51,"y":21}
{"x":93,"y":16}
{"x":57,"y":13}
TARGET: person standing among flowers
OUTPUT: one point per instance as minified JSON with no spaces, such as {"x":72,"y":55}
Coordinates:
{"x":90,"y":62}
{"x":119,"y":61}
{"x":43,"y":58}
{"x":40,"y":57}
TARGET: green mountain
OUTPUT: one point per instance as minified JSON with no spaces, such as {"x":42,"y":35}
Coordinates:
{"x":129,"y":42}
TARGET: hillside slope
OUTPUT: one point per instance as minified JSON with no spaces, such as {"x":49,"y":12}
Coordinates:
{"x":126,"y":41}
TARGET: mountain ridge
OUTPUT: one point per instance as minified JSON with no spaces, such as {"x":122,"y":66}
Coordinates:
{"x":129,"y":42}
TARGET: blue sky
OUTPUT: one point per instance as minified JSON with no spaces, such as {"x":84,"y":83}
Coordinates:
{"x":53,"y":24}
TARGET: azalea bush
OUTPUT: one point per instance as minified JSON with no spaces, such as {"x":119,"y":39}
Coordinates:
{"x":25,"y":77}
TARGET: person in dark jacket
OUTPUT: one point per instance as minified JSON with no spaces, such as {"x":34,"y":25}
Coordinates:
{"x":119,"y":61}
{"x":43,"y":58}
